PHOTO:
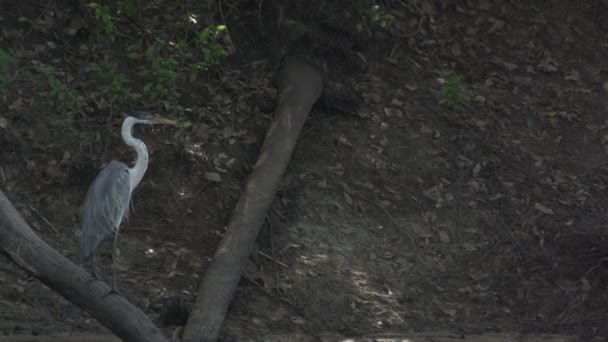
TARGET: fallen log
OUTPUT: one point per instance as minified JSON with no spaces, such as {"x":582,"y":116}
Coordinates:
{"x":299,"y":86}
{"x":40,"y":260}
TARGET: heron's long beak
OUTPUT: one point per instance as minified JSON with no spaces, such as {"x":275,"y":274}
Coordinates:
{"x":162,"y":121}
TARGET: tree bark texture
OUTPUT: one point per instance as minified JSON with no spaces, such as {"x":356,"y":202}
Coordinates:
{"x":40,"y":260}
{"x":299,"y":87}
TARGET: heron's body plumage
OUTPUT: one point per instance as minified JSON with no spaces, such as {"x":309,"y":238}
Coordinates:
{"x":105,"y":206}
{"x":108,"y":199}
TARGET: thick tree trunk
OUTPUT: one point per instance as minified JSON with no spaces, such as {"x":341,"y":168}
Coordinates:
{"x":72,"y":282}
{"x":299,"y":86}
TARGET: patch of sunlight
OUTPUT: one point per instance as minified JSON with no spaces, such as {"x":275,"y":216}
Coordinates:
{"x":195,"y":149}
{"x":311,"y":260}
{"x":184,"y":192}
{"x":192,"y":18}
{"x":380,"y":300}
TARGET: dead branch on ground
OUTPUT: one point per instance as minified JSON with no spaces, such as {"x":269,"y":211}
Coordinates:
{"x":299,"y":87}
{"x":40,"y":260}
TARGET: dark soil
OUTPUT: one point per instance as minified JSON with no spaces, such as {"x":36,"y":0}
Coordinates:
{"x":395,"y":215}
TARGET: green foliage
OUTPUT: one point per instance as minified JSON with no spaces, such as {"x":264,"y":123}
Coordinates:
{"x":167,"y":62}
{"x":381,"y":16}
{"x":188,"y":19}
{"x":162,"y":70}
{"x":453,"y":92}
{"x":132,"y":8}
{"x":115,"y":86}
{"x":45,"y":78}
{"x":67,"y":98}
{"x":105,"y":18}
{"x":163,"y":63}
{"x":208,"y":43}
{"x":8,"y":62}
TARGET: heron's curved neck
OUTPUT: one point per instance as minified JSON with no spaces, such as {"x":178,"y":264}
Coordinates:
{"x":141,"y":163}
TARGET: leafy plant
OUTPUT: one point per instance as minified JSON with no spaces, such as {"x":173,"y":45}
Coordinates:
{"x":164,"y":63}
{"x":189,"y":18}
{"x":68,"y":99}
{"x":453,"y":92}
{"x":8,"y":61}
{"x":132,"y":8}
{"x":162,"y":71}
{"x":107,"y":22}
{"x":115,"y":86}
{"x":381,"y":16}
{"x":208,"y":42}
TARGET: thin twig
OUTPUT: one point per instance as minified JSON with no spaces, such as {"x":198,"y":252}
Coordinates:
{"x":44,"y":219}
{"x":203,"y":187}
{"x":233,"y":48}
{"x":260,"y":12}
{"x":280,"y":263}
{"x":267,"y":292}
{"x":602,"y":260}
{"x":391,"y":218}
{"x":109,"y":139}
{"x":276,"y":273}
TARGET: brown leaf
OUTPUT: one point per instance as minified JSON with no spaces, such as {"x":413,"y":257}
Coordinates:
{"x":17,"y":104}
{"x":543,"y":209}
{"x":443,"y":236}
{"x":213,"y":177}
{"x":348,"y":199}
{"x":484,"y":5}
{"x":548,"y":113}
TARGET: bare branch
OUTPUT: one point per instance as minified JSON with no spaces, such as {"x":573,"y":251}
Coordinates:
{"x":36,"y":257}
{"x":300,"y":85}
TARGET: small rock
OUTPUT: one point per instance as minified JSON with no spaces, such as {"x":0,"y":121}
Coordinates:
{"x":213,"y":177}
{"x":443,"y":236}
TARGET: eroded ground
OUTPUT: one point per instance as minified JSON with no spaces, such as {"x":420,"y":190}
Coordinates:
{"x":396,"y":214}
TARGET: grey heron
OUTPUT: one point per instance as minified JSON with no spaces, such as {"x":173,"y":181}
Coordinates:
{"x":107,"y":201}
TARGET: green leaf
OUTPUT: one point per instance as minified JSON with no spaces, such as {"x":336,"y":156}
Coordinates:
{"x":134,"y":55}
{"x":184,"y":123}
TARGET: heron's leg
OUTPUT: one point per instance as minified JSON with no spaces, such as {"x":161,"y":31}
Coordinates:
{"x":93,"y":270}
{"x":114,"y":256}
{"x":84,"y":264}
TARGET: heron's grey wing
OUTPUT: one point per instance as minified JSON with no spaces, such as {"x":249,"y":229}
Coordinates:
{"x":106,"y":203}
